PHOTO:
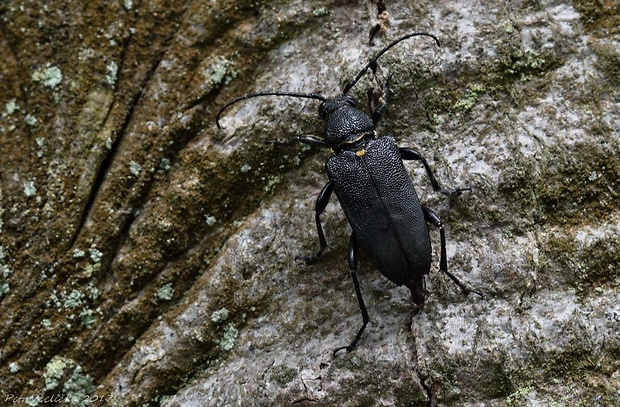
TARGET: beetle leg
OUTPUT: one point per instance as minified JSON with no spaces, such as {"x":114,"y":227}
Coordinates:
{"x":309,"y":140}
{"x":432,"y":218}
{"x":358,"y":293}
{"x":370,"y":93}
{"x":380,"y":109}
{"x":319,"y":208}
{"x":313,"y":141}
{"x":409,"y":154}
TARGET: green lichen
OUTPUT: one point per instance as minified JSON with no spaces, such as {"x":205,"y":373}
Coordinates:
{"x":87,"y":319}
{"x":272,"y":182}
{"x":227,"y":342}
{"x":219,"y":72}
{"x":321,"y":12}
{"x":53,"y":301}
{"x":5,"y":271}
{"x":134,"y":168}
{"x":50,"y":76}
{"x":210,"y":220}
{"x":30,"y":120}
{"x":78,"y":387}
{"x":467,"y":103}
{"x":164,"y":165}
{"x":54,"y":371}
{"x":519,"y":397}
{"x":92,"y":292}
{"x":111,"y":73}
{"x":95,"y":255}
{"x":73,"y":299}
{"x":30,"y":189}
{"x":220,"y":315}
{"x":41,"y":144}
{"x":522,"y":64}
{"x":10,"y":107}
{"x":33,"y":401}
{"x":165,"y":293}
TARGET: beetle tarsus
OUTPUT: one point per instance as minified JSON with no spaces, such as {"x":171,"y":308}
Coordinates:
{"x":466,"y":290}
{"x":348,"y":349}
{"x":455,"y":191}
{"x":311,"y":259}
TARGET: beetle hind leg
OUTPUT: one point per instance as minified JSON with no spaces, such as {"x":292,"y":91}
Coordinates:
{"x":432,"y":218}
{"x":358,"y":293}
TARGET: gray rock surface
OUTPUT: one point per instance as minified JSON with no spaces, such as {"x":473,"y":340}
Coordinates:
{"x":148,"y":258}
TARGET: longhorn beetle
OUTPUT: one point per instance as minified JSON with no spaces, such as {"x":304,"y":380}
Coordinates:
{"x":374,"y":190}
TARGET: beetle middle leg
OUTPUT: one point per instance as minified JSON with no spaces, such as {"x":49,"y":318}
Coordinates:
{"x":358,"y":293}
{"x":410,"y":154}
{"x":319,"y":208}
{"x":431,"y":217}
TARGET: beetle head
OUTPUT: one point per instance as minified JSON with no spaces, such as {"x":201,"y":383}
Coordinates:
{"x":329,"y":106}
{"x":345,"y":123}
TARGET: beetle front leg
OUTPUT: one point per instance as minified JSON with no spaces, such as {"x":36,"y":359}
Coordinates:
{"x":377,"y":113}
{"x":313,"y":141}
{"x":431,"y":217}
{"x":409,"y":154}
{"x":319,"y":208}
{"x":308,"y":139}
{"x":358,"y":293}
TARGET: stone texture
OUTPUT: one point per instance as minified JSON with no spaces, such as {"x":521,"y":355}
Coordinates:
{"x":148,"y":258}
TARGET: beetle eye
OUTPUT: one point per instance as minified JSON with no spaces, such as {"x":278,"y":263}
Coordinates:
{"x":323,"y":110}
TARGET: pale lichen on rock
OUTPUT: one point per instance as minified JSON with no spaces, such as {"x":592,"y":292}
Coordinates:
{"x":148,"y":256}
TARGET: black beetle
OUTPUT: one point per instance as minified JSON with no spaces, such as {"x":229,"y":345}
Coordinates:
{"x":374,"y":190}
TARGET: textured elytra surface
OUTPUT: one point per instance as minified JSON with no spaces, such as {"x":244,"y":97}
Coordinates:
{"x":148,"y":258}
{"x":383,"y":210}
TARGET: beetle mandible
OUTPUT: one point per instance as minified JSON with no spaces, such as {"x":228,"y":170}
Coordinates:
{"x":374,"y":191}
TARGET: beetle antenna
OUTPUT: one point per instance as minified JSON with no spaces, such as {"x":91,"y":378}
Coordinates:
{"x":383,"y":51}
{"x":253,"y":95}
